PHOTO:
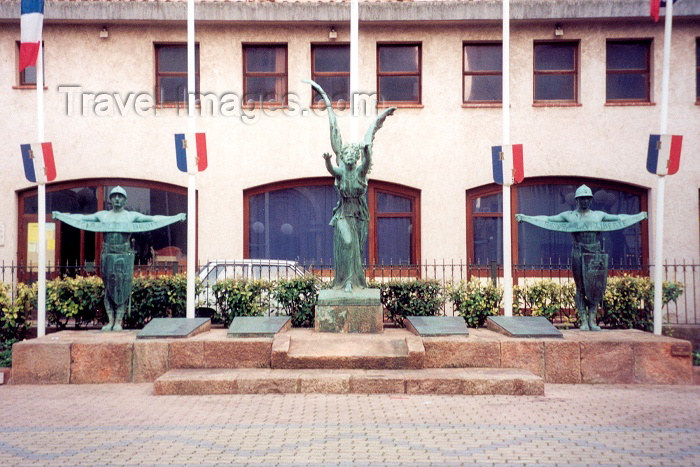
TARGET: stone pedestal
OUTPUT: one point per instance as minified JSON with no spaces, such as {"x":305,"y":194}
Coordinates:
{"x":356,"y":311}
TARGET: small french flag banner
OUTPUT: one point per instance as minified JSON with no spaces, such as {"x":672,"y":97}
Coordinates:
{"x":39,"y":166}
{"x":507,"y":164}
{"x":31,"y":24}
{"x":664,"y":155}
{"x":191,"y":152}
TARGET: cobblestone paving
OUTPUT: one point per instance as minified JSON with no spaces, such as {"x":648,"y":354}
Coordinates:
{"x":126,"y":424}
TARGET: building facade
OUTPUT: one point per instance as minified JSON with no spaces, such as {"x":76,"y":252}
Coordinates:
{"x":585,"y":92}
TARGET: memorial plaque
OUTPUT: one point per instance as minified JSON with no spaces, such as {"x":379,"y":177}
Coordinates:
{"x":523,"y":326}
{"x":258,"y":326}
{"x":429,"y":326}
{"x":174,"y":327}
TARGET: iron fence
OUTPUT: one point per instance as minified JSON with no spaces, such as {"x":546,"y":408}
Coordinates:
{"x":686,"y":310}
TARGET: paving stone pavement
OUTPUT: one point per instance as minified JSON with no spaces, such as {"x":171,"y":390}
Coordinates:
{"x":126,"y":424}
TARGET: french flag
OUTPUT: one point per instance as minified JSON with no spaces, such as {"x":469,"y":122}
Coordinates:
{"x":507,"y":164}
{"x":191,"y":152}
{"x":655,"y":6}
{"x":664,"y":155}
{"x":39,"y":166}
{"x":31,"y":23}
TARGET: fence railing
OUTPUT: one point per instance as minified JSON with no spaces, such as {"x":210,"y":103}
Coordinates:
{"x":686,"y":310}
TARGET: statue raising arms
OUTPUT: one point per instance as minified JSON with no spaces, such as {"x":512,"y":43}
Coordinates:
{"x":588,"y":262}
{"x":117,"y":259}
{"x":351,"y":215}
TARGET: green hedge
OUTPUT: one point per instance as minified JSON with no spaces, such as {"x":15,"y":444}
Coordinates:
{"x":629,"y":301}
{"x":240,"y":297}
{"x":410,"y":298}
{"x":77,"y":298}
{"x":14,"y":321}
{"x":156,"y":297}
{"x":297,"y":297}
{"x":476,"y":300}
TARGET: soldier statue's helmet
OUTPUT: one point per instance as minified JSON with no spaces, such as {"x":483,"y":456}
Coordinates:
{"x":583,"y":192}
{"x":117,"y":190}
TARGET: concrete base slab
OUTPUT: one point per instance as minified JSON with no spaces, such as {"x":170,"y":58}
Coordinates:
{"x":159,"y":328}
{"x":431,"y":326}
{"x":522,"y":326}
{"x":259,"y":326}
{"x":434,"y":381}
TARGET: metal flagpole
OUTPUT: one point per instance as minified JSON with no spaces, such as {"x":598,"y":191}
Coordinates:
{"x":41,"y":195}
{"x":660,"y":180}
{"x":191,"y":182}
{"x":507,"y":263}
{"x":354,"y":66}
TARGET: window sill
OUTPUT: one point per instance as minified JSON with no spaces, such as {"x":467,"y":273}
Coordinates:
{"x":28,"y":86}
{"x":400,"y":105}
{"x":557,"y":104}
{"x":337,"y":105}
{"x":266,"y":105}
{"x":630,"y":104}
{"x":174,"y":105}
{"x":485,"y":105}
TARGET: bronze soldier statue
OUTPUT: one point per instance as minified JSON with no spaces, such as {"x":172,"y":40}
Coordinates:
{"x":117,"y":259}
{"x":589,"y":264}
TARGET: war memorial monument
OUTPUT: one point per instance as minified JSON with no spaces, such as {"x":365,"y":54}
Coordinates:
{"x":117,"y":259}
{"x":589,"y":263}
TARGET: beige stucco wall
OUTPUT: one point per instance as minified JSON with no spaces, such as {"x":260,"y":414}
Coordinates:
{"x":441,"y":148}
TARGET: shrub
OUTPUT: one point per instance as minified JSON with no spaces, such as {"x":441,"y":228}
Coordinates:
{"x":240,"y":297}
{"x":544,"y":298}
{"x":417,"y":297}
{"x":628,"y":302}
{"x":156,"y":297}
{"x":77,"y":298}
{"x":475,"y":301}
{"x":14,"y":313}
{"x":298,"y":297}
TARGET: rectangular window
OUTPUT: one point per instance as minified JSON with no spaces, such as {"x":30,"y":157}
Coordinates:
{"x":330,"y":67}
{"x":556,"y":72}
{"x":399,"y":73}
{"x":482,"y":73}
{"x":265,"y":74}
{"x":628,"y":70}
{"x":27,"y":77}
{"x":171,"y":73}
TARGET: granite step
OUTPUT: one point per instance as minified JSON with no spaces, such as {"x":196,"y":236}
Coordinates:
{"x":467,"y":381}
{"x":305,"y":349}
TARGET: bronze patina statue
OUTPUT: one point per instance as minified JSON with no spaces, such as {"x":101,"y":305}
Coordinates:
{"x":351,"y":215}
{"x":589,"y":263}
{"x":117,"y":259}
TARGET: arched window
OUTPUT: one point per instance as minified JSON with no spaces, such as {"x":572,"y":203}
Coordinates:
{"x":533,"y":246}
{"x":290,"y":220}
{"x":71,"y":246}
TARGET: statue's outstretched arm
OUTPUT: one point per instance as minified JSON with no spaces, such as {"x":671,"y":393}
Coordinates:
{"x":621,"y":217}
{"x":366,"y":145}
{"x":78,"y":217}
{"x":556,"y":218}
{"x":138,"y":217}
{"x":336,"y":139}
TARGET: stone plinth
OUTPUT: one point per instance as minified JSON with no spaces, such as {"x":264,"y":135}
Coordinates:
{"x":356,"y":311}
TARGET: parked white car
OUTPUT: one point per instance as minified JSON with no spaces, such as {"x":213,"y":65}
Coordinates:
{"x":254,"y":269}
